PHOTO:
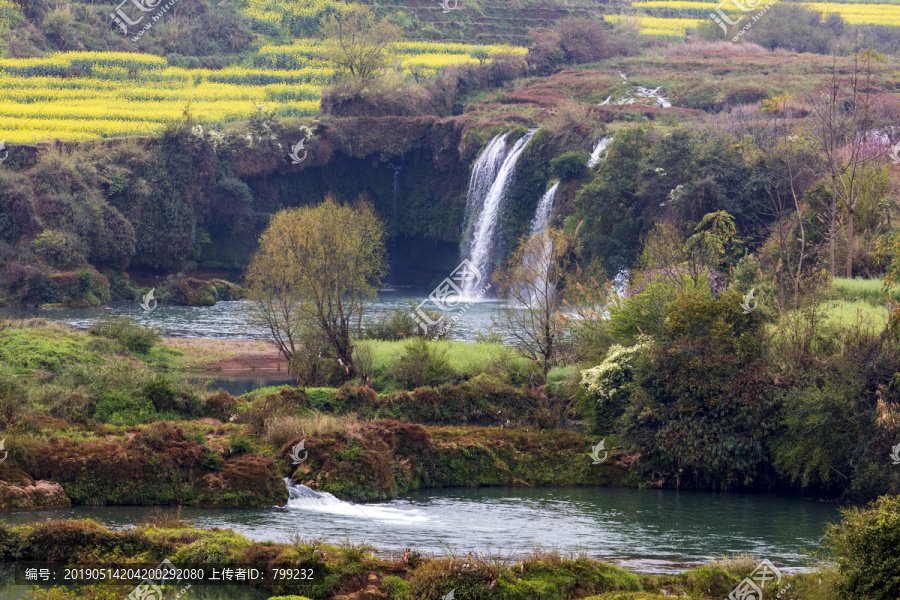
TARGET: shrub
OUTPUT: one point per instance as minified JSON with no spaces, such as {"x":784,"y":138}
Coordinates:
{"x":238,"y":446}
{"x":609,"y":384}
{"x":571,"y":165}
{"x":713,"y":581}
{"x":865,"y":546}
{"x":131,"y":335}
{"x":396,"y":324}
{"x":165,"y":395}
{"x":220,"y":405}
{"x":70,"y":406}
{"x":288,"y":401}
{"x":120,"y":408}
{"x":281,"y":429}
{"x":394,"y":587}
{"x":582,"y":40}
{"x":422,"y":364}
{"x":58,"y":249}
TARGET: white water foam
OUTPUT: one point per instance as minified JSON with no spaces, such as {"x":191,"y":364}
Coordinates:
{"x":481,"y":241}
{"x":303,"y":498}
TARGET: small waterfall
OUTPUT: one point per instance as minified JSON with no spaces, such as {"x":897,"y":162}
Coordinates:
{"x":481,"y":240}
{"x":303,"y":498}
{"x":484,"y":172}
{"x":300,"y":496}
{"x":539,"y":225}
{"x":544,"y":210}
{"x":598,"y":150}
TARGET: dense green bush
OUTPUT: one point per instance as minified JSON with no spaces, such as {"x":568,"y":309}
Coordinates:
{"x":421,"y":364}
{"x":165,"y":395}
{"x":129,"y":334}
{"x":609,"y":385}
{"x":121,"y":408}
{"x":865,"y":546}
{"x":571,"y":165}
{"x":704,"y":409}
{"x":395,"y":324}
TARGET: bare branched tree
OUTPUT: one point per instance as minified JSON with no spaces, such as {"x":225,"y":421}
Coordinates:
{"x":851,"y":121}
{"x":532,"y":285}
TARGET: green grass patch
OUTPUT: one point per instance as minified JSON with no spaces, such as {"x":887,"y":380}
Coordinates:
{"x":869,"y":290}
{"x":464,"y":358}
{"x":858,"y":312}
{"x":52,"y":349}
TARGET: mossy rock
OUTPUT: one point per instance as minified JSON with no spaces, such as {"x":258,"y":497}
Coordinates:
{"x":197,"y":292}
{"x":288,"y":598}
{"x":225,"y":290}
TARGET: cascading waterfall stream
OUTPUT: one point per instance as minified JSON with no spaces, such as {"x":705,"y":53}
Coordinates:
{"x":481,"y":240}
{"x":484,"y":172}
{"x":539,"y":225}
{"x":598,"y":151}
{"x":544,"y":209}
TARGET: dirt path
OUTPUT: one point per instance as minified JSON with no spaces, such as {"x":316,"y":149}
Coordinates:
{"x":229,"y":356}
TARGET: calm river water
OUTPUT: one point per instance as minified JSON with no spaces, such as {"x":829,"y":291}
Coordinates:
{"x":228,"y":320}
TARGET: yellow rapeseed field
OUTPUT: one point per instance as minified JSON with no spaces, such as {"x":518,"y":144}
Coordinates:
{"x":658,"y":26}
{"x":853,"y":13}
{"x":82,"y":95}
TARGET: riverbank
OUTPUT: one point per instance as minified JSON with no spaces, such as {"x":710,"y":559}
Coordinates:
{"x":356,"y":572}
{"x":229,"y":357}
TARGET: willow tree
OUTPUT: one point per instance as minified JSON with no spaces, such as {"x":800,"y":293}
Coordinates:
{"x":314,"y":270}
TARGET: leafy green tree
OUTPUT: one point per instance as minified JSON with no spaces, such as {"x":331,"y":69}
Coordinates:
{"x":359,"y":45}
{"x":865,"y":547}
{"x":316,"y":267}
{"x":703,"y":408}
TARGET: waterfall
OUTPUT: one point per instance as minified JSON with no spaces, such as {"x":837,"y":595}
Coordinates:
{"x":484,"y":172}
{"x":598,"y":150}
{"x":303,"y":498}
{"x":480,"y":243}
{"x":539,"y":225}
{"x":544,"y":210}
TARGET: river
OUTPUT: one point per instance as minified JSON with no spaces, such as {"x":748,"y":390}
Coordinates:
{"x":229,"y":320}
{"x":645,"y":530}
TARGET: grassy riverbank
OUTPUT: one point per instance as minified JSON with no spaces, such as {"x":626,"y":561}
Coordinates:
{"x":356,"y":572}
